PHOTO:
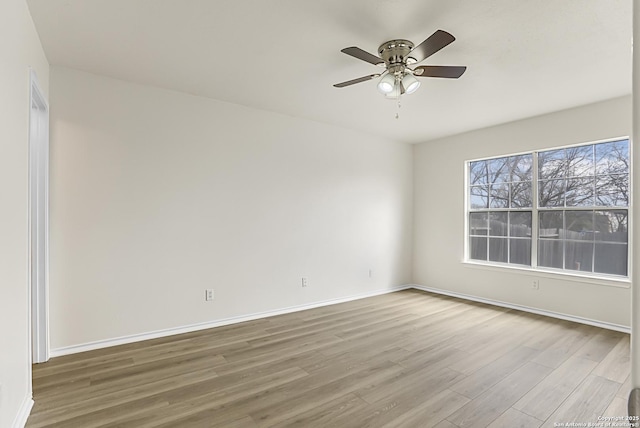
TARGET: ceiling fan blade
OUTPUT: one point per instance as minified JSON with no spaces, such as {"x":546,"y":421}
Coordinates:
{"x":446,"y":71}
{"x":363,"y":55}
{"x":354,"y":81}
{"x":431,"y":45}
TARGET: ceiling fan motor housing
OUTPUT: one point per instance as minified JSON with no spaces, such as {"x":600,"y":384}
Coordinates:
{"x":395,"y":54}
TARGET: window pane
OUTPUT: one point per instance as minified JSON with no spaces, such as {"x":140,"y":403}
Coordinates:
{"x":612,"y":158}
{"x":582,"y":199}
{"x":498,"y":224}
{"x":551,"y":193}
{"x":578,"y":256}
{"x":550,"y":253}
{"x":479,"y":197}
{"x":580,"y":161}
{"x":478,"y":172}
{"x":550,"y":224}
{"x":478,"y":224}
{"x":611,"y":258}
{"x":521,"y":167}
{"x":499,"y":170}
{"x":521,"y":195}
{"x":551,"y":164}
{"x":520,"y":224}
{"x":611,"y":226}
{"x":520,"y":251}
{"x":579,"y":225}
{"x":498,"y":250}
{"x":612,"y":190}
{"x":579,"y":192}
{"x":499,"y":196}
{"x":478,"y":248}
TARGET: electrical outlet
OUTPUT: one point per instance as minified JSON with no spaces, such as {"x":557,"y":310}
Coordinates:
{"x":370,"y":273}
{"x":208,"y":295}
{"x":305,"y":281}
{"x":535,"y":284}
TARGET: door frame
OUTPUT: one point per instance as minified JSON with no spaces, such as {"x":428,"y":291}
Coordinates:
{"x":38,"y":221}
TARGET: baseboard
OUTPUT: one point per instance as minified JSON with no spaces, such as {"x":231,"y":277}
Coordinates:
{"x":595,"y":323}
{"x":23,"y":414}
{"x":234,"y":320}
{"x":211,"y":324}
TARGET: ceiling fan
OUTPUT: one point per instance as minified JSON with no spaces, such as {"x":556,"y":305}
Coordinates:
{"x":397,"y":56}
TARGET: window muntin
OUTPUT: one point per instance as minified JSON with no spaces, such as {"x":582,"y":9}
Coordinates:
{"x":587,"y":240}
{"x":581,"y":208}
{"x":500,"y":198}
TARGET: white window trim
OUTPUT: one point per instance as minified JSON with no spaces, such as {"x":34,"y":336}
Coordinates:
{"x":560,"y":274}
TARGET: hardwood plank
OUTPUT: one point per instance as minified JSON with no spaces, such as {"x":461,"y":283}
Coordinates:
{"x":515,"y":419}
{"x":586,"y":403}
{"x":553,"y":330}
{"x":434,"y":328}
{"x":436,"y":356}
{"x":125,"y":406}
{"x":571,"y":341}
{"x":484,"y":378}
{"x":245,"y":422}
{"x":77,"y":404}
{"x":491,"y":404}
{"x":625,"y":389}
{"x":352,"y":360}
{"x":280,"y":399}
{"x":617,"y":409}
{"x":272,"y":413}
{"x":599,"y":345}
{"x":427,"y":380}
{"x":614,"y":365}
{"x":260,"y":357}
{"x":202,"y":402}
{"x":446,"y":424}
{"x":325,"y":415}
{"x":430,"y":412}
{"x":428,"y":403}
{"x":543,"y":399}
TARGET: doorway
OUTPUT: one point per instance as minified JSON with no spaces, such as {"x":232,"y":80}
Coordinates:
{"x":39,"y":221}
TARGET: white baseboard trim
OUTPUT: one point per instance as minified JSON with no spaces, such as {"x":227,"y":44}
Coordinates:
{"x":23,"y":413}
{"x":211,"y":324}
{"x":595,"y":323}
{"x":250,"y":317}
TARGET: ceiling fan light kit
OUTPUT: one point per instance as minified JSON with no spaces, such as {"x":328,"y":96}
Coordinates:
{"x":396,"y":56}
{"x":395,"y":92}
{"x":387,"y":83}
{"x":410,"y":83}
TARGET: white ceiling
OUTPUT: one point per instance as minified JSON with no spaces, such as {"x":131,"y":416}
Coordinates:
{"x":524,"y":57}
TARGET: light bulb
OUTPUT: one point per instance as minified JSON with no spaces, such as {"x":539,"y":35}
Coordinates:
{"x":387,"y":83}
{"x":410,"y":83}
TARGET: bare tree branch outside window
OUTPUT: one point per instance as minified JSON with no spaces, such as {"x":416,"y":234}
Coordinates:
{"x":581,"y":203}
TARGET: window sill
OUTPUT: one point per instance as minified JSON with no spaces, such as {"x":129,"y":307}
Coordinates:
{"x":608,"y":281}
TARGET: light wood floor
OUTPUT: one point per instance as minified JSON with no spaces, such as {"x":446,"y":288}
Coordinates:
{"x":406,"y":359}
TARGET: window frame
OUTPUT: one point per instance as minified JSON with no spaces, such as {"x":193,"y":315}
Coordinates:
{"x":535,"y":209}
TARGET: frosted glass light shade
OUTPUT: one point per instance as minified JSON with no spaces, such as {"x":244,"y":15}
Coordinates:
{"x":387,"y":83}
{"x":410,"y":83}
{"x":395,"y":92}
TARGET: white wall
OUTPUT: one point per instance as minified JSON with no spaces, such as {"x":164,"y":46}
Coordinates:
{"x":20,"y":49}
{"x":158,"y":195}
{"x":439,"y":213}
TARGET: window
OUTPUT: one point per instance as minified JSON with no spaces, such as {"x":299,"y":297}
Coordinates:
{"x":500,"y":197}
{"x":562,"y":209}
